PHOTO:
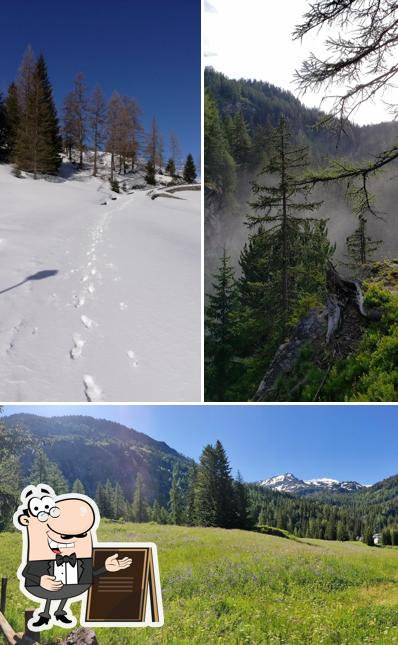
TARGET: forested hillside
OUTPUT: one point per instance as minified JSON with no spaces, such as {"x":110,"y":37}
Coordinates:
{"x":132,"y":476}
{"x":296,"y":306}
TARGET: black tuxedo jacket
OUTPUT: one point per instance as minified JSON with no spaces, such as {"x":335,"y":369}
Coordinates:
{"x":35,"y":569}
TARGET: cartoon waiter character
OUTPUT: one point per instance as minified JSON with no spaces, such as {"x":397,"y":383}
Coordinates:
{"x":58,"y":549}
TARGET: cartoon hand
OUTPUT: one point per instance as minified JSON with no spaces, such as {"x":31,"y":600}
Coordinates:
{"x":50,"y":583}
{"x":113,"y":564}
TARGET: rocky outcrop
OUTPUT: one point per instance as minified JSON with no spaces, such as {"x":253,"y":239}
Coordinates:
{"x":332,"y":331}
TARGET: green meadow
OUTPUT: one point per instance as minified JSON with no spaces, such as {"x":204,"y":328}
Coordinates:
{"x":235,"y":586}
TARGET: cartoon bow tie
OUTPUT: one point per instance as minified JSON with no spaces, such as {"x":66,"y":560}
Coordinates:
{"x":66,"y":559}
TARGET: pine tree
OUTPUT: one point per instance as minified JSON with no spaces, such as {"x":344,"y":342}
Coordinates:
{"x":386,"y":536}
{"x":78,"y":487}
{"x":49,"y":139}
{"x":138,"y":507}
{"x":241,"y":142}
{"x":150,"y":176}
{"x":368,"y":536}
{"x":214,"y":503}
{"x":360,"y":245}
{"x":38,"y":143}
{"x":189,"y":173}
{"x":3,"y":130}
{"x":206,"y":498}
{"x":45,"y":471}
{"x":220,"y":168}
{"x":176,"y":502}
{"x":97,"y":118}
{"x":190,"y":496}
{"x":170,"y":168}
{"x":12,"y":118}
{"x":220,"y":330}
{"x":241,"y":504}
{"x":280,"y":206}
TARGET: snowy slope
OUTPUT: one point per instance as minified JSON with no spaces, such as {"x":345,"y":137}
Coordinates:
{"x":120,"y":320}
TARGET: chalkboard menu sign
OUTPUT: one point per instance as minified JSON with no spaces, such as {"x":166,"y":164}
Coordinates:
{"x":130,"y":597}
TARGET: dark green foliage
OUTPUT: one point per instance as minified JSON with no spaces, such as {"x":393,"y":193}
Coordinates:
{"x":12,"y":118}
{"x":219,"y":164}
{"x":386,"y":536}
{"x":189,"y":172}
{"x":240,"y":139}
{"x":114,"y":185}
{"x":360,"y":246}
{"x":214,"y":504}
{"x":78,"y":487}
{"x":171,"y":168}
{"x":139,"y":507}
{"x":96,"y":450}
{"x":241,"y":504}
{"x":177,"y":515}
{"x":3,"y":130}
{"x":38,"y":142}
{"x":220,"y":330}
{"x":150,"y":173}
{"x":283,"y":275}
{"x":45,"y":471}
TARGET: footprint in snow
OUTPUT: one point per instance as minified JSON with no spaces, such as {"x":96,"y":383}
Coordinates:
{"x":87,"y":322}
{"x":79,"y":301}
{"x":131,"y":356}
{"x":91,"y":389}
{"x":91,"y":288}
{"x":77,"y":348}
{"x":123,"y":306}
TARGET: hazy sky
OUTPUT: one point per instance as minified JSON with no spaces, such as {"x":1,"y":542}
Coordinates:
{"x":252,"y":39}
{"x":343,"y":441}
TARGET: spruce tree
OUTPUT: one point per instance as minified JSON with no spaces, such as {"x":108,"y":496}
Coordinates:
{"x":189,"y":173}
{"x":12,"y":118}
{"x":45,"y":471}
{"x":150,"y":177}
{"x":241,"y":142}
{"x":78,"y":487}
{"x":3,"y":130}
{"x":214,"y":502}
{"x":138,"y":506}
{"x":241,"y":504}
{"x":282,"y":209}
{"x":170,"y":168}
{"x":279,"y":207}
{"x":176,"y":502}
{"x":49,"y":139}
{"x":190,"y":496}
{"x":38,"y":143}
{"x":220,"y":330}
{"x":220,"y":167}
{"x":360,"y":245}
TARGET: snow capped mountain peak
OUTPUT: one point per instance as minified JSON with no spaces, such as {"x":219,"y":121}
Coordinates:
{"x":289,"y":483}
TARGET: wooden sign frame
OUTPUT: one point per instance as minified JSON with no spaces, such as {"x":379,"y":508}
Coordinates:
{"x":149,"y":612}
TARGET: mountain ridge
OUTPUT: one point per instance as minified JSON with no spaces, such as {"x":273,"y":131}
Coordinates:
{"x":289,"y":483}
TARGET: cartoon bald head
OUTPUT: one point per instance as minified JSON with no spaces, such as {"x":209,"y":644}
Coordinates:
{"x":56,"y":525}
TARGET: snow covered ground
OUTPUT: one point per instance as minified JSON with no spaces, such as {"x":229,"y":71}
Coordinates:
{"x":120,"y":318}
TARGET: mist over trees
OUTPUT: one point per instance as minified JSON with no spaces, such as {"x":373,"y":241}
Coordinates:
{"x":33,"y":139}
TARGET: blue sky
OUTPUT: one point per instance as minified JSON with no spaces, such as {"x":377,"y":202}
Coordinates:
{"x":343,"y":442}
{"x":147,"y":50}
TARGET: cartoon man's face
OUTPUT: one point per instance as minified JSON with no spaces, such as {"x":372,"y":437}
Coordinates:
{"x":58,"y":527}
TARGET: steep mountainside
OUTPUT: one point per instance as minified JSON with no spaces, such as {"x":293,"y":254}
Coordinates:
{"x":94,"y":450}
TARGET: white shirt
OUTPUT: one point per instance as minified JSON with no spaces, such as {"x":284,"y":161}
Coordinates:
{"x":66,"y":573}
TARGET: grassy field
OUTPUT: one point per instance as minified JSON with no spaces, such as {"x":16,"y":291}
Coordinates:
{"x":239,"y":587}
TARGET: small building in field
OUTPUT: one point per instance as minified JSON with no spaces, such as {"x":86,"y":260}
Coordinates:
{"x":378,"y":538}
